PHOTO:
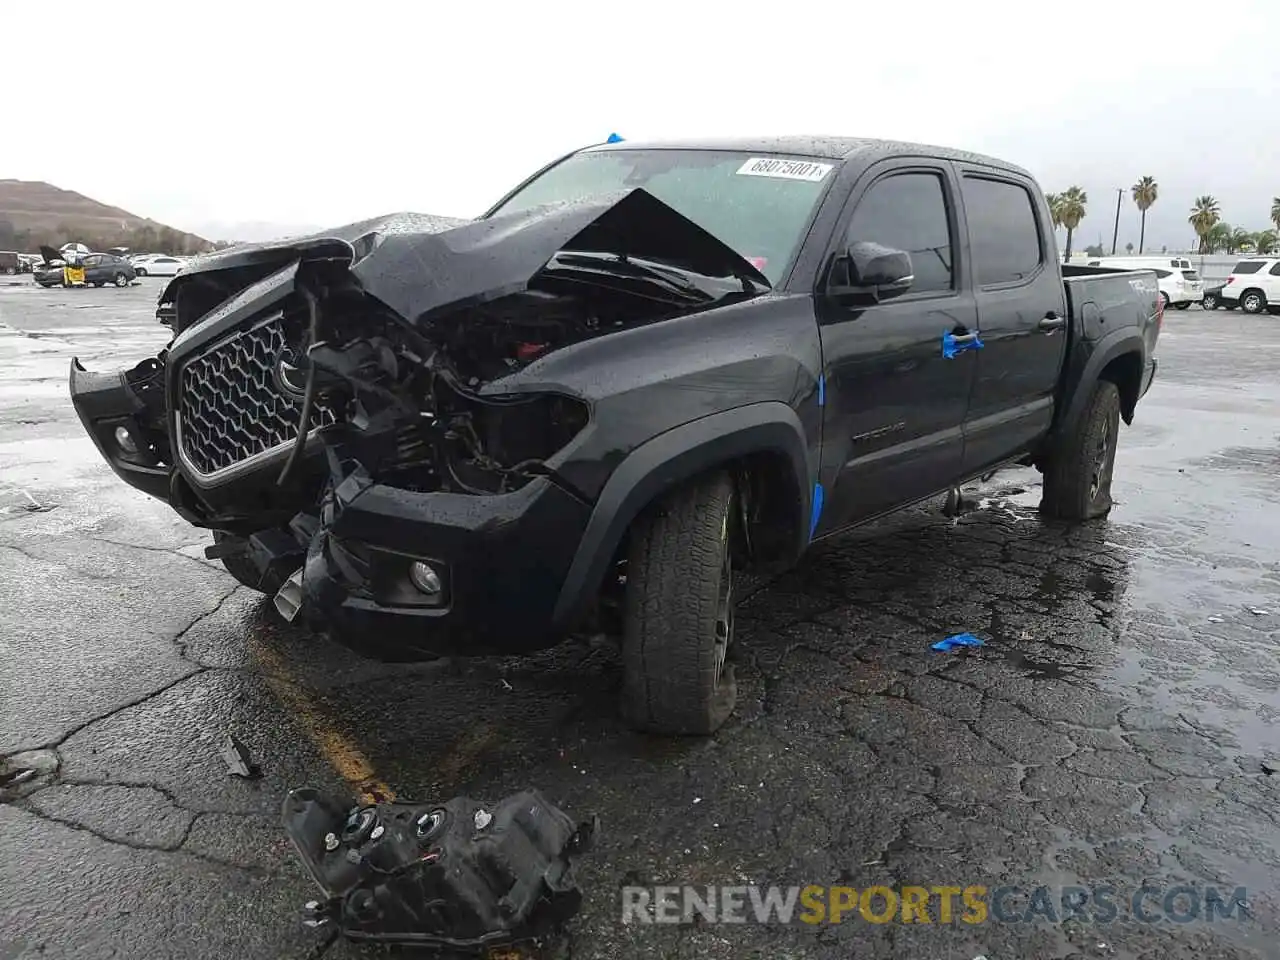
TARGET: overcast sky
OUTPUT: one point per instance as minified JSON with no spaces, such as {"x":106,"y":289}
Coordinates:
{"x":319,"y":113}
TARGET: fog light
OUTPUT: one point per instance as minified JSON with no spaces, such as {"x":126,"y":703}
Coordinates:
{"x":424,"y":577}
{"x":125,"y":441}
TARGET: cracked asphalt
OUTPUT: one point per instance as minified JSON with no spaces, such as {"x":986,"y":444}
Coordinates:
{"x":1118,"y":728}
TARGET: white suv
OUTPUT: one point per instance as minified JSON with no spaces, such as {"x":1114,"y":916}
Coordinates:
{"x":1180,"y":285}
{"x":1254,"y":285}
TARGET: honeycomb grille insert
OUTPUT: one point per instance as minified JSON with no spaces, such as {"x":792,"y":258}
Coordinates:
{"x":232,"y":408}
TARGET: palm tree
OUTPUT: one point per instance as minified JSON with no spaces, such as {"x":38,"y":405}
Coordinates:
{"x":1145,"y":193}
{"x":1241,"y":240}
{"x":1218,"y":239}
{"x":1267,"y":241}
{"x":1205,"y":214}
{"x":1055,"y":208}
{"x":1275,"y":211}
{"x":1071,"y":206}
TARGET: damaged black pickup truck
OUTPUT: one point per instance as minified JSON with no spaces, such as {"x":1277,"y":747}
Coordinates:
{"x":643,"y":370}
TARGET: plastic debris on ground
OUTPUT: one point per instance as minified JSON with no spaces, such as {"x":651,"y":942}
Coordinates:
{"x":1259,"y":612}
{"x":959,"y":640}
{"x":462,"y":875}
{"x":239,"y":762}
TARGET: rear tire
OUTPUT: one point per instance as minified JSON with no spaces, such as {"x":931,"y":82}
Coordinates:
{"x":242,"y":568}
{"x":141,"y":271}
{"x":121,"y":280}
{"x":1077,"y":476}
{"x":678,"y":612}
{"x":1253,"y":301}
{"x":10,"y":271}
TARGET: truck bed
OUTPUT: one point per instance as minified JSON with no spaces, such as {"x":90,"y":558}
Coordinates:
{"x":1100,"y":299}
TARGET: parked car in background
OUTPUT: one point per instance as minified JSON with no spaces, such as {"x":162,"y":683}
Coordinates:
{"x":1180,"y":284}
{"x":1213,"y":298}
{"x":1254,"y":285}
{"x":159,"y":266}
{"x":29,"y":262}
{"x":104,"y":268}
{"x":10,"y":262}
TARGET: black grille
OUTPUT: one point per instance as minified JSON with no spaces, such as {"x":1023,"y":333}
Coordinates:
{"x":232,"y":407}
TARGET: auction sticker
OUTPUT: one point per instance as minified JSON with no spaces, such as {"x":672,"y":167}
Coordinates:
{"x":784,"y":169}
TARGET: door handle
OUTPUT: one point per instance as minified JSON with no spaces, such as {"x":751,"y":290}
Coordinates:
{"x":1051,"y":322}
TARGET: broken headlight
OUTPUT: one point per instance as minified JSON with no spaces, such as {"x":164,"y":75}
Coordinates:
{"x":463,"y":875}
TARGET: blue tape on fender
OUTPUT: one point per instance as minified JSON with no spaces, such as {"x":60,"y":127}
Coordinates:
{"x":817,"y":509}
{"x":822,"y":391}
{"x":614,"y":138}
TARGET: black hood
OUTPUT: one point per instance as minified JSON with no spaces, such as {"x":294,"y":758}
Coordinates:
{"x":50,"y":254}
{"x":418,"y":264}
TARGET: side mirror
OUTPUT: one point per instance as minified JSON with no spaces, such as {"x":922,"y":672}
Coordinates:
{"x":871,"y":270}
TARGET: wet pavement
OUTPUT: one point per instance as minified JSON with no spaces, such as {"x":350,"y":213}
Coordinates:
{"x":1119,"y":727}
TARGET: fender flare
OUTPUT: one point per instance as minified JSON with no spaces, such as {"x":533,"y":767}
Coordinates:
{"x":1113,"y":345}
{"x":668,"y":460}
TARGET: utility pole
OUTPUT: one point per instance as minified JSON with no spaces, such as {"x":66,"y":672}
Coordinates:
{"x":1116,"y":233}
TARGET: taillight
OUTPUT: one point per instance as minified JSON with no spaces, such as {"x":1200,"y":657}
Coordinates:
{"x":1230,"y":281}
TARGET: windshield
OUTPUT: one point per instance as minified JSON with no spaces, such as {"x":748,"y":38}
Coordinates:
{"x":758,"y":206}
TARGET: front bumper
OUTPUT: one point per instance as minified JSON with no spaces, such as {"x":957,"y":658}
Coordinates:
{"x":105,"y":402}
{"x":502,"y":559}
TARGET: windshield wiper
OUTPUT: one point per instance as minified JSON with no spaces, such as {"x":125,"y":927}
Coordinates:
{"x":671,"y":280}
{"x":687,"y":284}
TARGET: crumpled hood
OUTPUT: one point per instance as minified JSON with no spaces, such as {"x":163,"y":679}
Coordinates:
{"x":418,"y":264}
{"x":51,"y":254}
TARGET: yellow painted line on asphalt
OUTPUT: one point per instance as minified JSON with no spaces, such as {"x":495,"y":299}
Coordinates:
{"x":336,"y":747}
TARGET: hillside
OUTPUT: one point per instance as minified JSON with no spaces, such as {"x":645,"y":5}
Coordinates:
{"x":33,"y":212}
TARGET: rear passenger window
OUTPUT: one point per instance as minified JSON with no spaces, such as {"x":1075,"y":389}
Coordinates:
{"x":1275,"y":270}
{"x":1003,"y":232}
{"x":908,"y":211}
{"x":1247,"y":266}
{"x":1163,"y":273}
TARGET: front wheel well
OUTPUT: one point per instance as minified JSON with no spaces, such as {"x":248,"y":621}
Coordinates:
{"x":1125,"y":371}
{"x":771,"y":510}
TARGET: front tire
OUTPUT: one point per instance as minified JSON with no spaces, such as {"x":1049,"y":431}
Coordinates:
{"x":678,"y":612}
{"x":141,"y":271}
{"x":121,"y":280}
{"x":1077,"y":476}
{"x":1210,"y":302}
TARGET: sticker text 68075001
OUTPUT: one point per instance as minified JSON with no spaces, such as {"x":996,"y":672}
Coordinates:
{"x":784,"y":169}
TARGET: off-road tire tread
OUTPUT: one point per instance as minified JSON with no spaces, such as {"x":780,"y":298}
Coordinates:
{"x":673,"y":577}
{"x":1069,"y":471}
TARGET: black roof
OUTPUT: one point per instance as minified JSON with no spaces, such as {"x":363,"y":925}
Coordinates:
{"x":861,"y":149}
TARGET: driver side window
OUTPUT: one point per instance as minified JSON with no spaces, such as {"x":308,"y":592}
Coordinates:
{"x":908,"y":211}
